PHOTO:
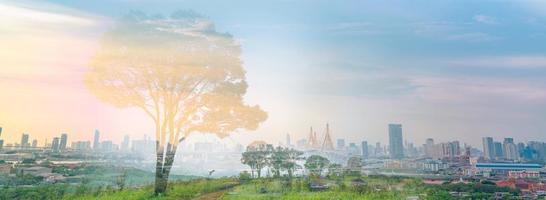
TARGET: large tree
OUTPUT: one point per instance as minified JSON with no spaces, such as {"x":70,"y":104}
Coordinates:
{"x":187,"y":77}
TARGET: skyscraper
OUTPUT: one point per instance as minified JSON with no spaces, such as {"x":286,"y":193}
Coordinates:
{"x":64,"y":141}
{"x":499,"y":153}
{"x":55,"y":144}
{"x":24,"y":140}
{"x":488,"y":148}
{"x":429,"y":147}
{"x":288,"y":144}
{"x":96,"y":141}
{"x":396,"y":146}
{"x":365,"y":153}
{"x":125,"y":143}
{"x":510,"y":149}
{"x":34,"y":143}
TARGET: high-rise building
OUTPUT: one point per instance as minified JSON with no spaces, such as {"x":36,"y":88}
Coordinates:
{"x":396,"y":147}
{"x":429,"y":147}
{"x":81,"y":145}
{"x":499,"y":153}
{"x":0,"y":131}
{"x":34,"y":143}
{"x":353,"y":149}
{"x":96,"y":140}
{"x":365,"y":153}
{"x":55,"y":144}
{"x":340,"y":144}
{"x":108,"y":146}
{"x":1,"y":144}
{"x":488,"y":148}
{"x":64,"y":141}
{"x":378,"y":150}
{"x":288,"y":144}
{"x":510,"y":149}
{"x":24,"y":140}
{"x":125,"y":143}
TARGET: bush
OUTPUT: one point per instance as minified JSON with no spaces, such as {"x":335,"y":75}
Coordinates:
{"x":244,"y":176}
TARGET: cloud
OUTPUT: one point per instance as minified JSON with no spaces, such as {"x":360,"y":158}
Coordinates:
{"x":454,"y":31}
{"x":378,"y":84}
{"x":354,"y":28}
{"x":516,"y":62}
{"x":473,"y":37}
{"x":479,"y":89}
{"x":44,"y":18}
{"x":484,"y":19}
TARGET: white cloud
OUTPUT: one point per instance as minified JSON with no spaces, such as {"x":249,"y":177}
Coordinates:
{"x":473,"y":37}
{"x":484,"y":19}
{"x":518,"y":62}
{"x":355,"y":28}
{"x":479,"y":89}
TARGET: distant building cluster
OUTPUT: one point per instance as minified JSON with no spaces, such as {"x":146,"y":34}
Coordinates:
{"x":508,"y":150}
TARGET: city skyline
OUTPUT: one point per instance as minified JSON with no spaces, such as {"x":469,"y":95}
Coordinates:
{"x":480,"y":88}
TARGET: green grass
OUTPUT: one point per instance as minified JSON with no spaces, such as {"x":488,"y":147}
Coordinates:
{"x":373,"y":187}
{"x":176,"y":190}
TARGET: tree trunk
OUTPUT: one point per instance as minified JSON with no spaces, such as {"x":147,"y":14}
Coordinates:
{"x":163,"y":168}
{"x":160,"y":180}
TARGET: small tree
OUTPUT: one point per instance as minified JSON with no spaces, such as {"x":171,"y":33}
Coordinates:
{"x":277,"y":159}
{"x":315,"y":164}
{"x":335,"y":170}
{"x":354,"y":165}
{"x":290,"y":163}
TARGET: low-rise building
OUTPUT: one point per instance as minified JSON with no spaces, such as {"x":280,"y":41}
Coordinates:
{"x":503,"y":169}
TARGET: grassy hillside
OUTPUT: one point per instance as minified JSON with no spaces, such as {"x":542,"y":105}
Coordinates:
{"x":344,"y":187}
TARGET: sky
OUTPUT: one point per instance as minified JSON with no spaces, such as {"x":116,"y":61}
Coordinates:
{"x":448,"y":70}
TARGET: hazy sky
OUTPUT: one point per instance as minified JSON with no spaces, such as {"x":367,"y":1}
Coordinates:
{"x":444,"y":69}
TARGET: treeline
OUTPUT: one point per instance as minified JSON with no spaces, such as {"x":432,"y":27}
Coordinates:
{"x":285,"y":161}
{"x":278,"y":160}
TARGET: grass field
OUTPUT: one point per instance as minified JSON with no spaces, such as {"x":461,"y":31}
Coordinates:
{"x":346,"y":187}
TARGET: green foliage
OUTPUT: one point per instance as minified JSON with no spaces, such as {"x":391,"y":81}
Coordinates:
{"x":316,"y":164}
{"x":278,"y":159}
{"x":28,"y":161}
{"x":244,"y":176}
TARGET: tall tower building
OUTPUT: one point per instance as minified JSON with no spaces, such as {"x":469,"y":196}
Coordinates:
{"x":24,"y":140}
{"x":365,"y":153}
{"x":1,"y":141}
{"x":125,"y":143}
{"x":499,"y":152}
{"x":96,"y":140}
{"x":288,"y":144}
{"x":510,"y":149}
{"x":488,"y":148}
{"x":55,"y":144}
{"x":64,"y":141}
{"x":34,"y":143}
{"x":396,"y":146}
{"x":429,"y":147}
